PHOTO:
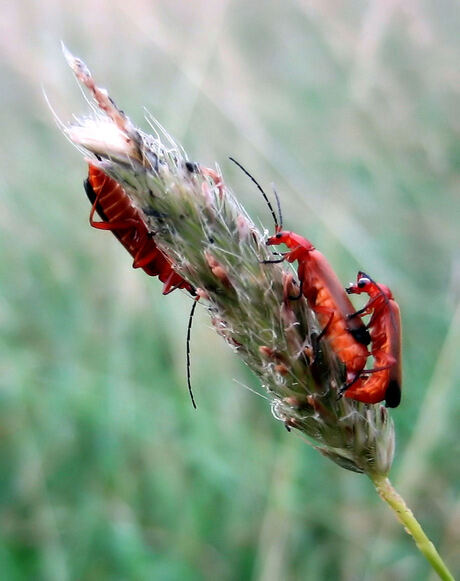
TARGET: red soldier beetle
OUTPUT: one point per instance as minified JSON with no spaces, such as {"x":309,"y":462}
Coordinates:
{"x":125,"y":221}
{"x":384,"y":380}
{"x":320,"y":285}
{"x":119,"y":216}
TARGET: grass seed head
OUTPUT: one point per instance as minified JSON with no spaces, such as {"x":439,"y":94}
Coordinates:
{"x":212,"y":243}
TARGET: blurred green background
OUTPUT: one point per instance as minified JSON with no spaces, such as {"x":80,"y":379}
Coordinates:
{"x":107,"y":472}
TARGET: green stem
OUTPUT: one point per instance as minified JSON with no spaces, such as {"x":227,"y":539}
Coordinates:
{"x":389,"y":495}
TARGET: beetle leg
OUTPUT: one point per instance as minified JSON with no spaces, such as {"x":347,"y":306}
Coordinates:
{"x":326,"y":327}
{"x":139,"y":260}
{"x":296,"y":298}
{"x":277,"y":260}
{"x":356,"y":314}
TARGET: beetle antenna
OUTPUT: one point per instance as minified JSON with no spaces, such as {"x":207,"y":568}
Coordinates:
{"x":278,"y":205}
{"x":189,"y":332}
{"x":259,"y":187}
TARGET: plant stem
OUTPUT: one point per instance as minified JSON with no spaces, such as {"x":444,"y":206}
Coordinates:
{"x":389,"y":495}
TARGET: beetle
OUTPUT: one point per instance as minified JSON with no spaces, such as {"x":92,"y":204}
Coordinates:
{"x":383,"y":382}
{"x":347,"y":336}
{"x":124,"y":220}
{"x":119,"y":216}
{"x":320,"y":285}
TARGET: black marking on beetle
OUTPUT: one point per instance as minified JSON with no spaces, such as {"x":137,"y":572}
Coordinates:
{"x":361,"y":335}
{"x":393,"y":394}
